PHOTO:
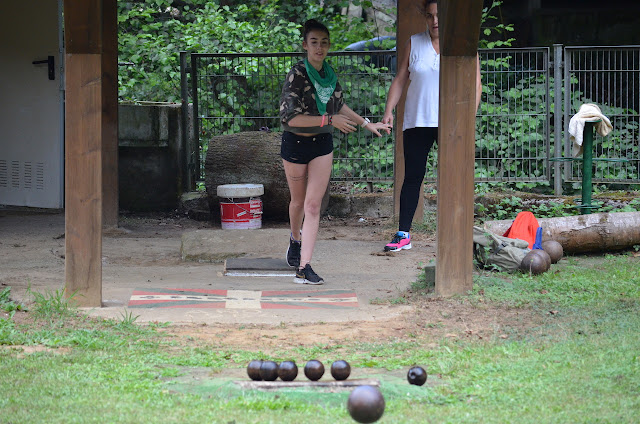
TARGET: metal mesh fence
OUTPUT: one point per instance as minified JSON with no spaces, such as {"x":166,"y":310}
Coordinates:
{"x":241,"y":92}
{"x":512,"y":126}
{"x":610,"y":78}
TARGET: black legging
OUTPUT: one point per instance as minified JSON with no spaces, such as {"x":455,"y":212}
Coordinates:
{"x":417,"y":144}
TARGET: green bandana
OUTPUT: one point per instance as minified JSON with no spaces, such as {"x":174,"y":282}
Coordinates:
{"x":324,"y":86}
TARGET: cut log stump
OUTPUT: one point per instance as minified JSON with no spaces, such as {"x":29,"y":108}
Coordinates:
{"x":251,"y":157}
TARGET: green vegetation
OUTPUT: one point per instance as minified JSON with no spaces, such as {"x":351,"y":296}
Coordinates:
{"x":498,"y":201}
{"x":6,"y":304}
{"x":153,"y":32}
{"x":570,"y":355}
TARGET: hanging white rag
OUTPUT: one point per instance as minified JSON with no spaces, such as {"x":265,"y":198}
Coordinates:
{"x":588,"y":113}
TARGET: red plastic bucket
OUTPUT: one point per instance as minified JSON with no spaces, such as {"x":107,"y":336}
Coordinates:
{"x":240,"y":206}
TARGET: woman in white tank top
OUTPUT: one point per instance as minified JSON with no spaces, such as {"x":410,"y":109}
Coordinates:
{"x":419,"y":68}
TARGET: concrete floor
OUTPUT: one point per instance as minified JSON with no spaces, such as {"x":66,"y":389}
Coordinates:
{"x":147,"y":253}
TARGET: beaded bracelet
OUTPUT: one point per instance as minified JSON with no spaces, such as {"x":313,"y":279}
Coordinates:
{"x":330,"y":120}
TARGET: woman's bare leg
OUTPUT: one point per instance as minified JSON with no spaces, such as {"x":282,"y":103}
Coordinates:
{"x":297,"y":179}
{"x":319,"y":172}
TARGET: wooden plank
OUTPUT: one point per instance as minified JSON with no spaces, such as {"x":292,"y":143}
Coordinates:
{"x":256,"y":264}
{"x":257,"y":267}
{"x":410,"y":22}
{"x":109,"y":113}
{"x":83,"y":178}
{"x":344,"y":384}
{"x":459,"y":23}
{"x":456,"y":158}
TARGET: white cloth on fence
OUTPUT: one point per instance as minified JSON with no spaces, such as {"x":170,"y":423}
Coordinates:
{"x":588,"y":113}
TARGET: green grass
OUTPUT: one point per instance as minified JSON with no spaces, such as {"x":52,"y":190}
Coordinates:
{"x":580,"y":364}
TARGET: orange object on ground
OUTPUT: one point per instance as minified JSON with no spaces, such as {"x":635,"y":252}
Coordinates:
{"x":524,"y":227}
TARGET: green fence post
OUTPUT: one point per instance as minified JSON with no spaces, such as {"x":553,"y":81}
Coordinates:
{"x":587,"y":167}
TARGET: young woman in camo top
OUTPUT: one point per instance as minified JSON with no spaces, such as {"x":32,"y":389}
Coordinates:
{"x":311,"y":106}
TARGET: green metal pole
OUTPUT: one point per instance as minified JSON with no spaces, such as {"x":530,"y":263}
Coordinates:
{"x":587,"y":167}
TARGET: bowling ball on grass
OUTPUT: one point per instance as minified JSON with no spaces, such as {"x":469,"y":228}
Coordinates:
{"x":554,"y":249}
{"x":544,"y":255}
{"x":287,"y":371}
{"x":366,"y":404}
{"x":314,"y":370}
{"x":253,"y":370}
{"x":340,"y":370}
{"x":417,"y":376}
{"x":269,"y":370}
{"x":533,"y":263}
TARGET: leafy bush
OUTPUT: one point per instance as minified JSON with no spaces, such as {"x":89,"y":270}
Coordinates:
{"x":153,"y":32}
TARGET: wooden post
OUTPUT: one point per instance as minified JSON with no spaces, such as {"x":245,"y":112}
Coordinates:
{"x":410,"y":22}
{"x":83,"y":151}
{"x":459,"y":22}
{"x":109,"y":113}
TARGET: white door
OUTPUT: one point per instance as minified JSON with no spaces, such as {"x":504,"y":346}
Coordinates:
{"x":31,"y":109}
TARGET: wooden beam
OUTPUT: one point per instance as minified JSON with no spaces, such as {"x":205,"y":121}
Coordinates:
{"x":109,"y":113}
{"x":83,"y":179}
{"x":82,"y":26}
{"x":410,"y":22}
{"x":459,"y":30}
{"x":456,"y":157}
{"x":459,"y":22}
{"x":83,"y":151}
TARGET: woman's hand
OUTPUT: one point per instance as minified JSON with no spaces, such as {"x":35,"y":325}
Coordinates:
{"x":388,"y":118}
{"x":343,"y":123}
{"x":377,"y":127}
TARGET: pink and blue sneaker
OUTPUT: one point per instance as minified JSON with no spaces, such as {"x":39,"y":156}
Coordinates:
{"x":401,"y":241}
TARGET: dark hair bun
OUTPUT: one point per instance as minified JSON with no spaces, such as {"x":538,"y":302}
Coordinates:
{"x":310,"y":23}
{"x":313,"y":25}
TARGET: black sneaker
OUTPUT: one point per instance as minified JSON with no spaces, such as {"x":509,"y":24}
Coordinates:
{"x":293,"y":253}
{"x":306,"y":275}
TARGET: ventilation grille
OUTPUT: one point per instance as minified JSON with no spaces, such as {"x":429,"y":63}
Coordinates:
{"x":3,"y":173}
{"x":19,"y":175}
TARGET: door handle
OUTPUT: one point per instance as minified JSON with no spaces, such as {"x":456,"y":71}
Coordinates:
{"x":51,"y":65}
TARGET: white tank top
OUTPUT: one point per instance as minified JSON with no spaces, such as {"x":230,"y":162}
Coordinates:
{"x":421,"y":105}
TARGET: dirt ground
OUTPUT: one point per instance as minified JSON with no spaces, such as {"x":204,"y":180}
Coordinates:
{"x":32,"y":257}
{"x":427,"y":322}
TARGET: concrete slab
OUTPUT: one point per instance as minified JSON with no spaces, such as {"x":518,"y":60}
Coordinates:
{"x":148,"y":254}
{"x":256,"y":264}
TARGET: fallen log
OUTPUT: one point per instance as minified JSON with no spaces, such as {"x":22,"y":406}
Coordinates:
{"x":598,"y":232}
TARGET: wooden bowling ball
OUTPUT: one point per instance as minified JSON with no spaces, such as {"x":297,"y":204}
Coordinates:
{"x":365,"y":404}
{"x":417,"y":376}
{"x":253,"y":370}
{"x":545,"y":256}
{"x":533,"y":263}
{"x":287,"y":371}
{"x":269,"y":371}
{"x":314,"y":370}
{"x":340,"y":370}
{"x":554,"y":249}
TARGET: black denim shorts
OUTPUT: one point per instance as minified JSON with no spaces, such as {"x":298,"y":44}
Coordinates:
{"x":299,"y":149}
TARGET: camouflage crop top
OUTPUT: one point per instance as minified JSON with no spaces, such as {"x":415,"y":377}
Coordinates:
{"x":298,"y":97}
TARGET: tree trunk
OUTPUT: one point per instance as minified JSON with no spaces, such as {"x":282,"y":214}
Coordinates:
{"x":251,"y":157}
{"x":598,"y":232}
